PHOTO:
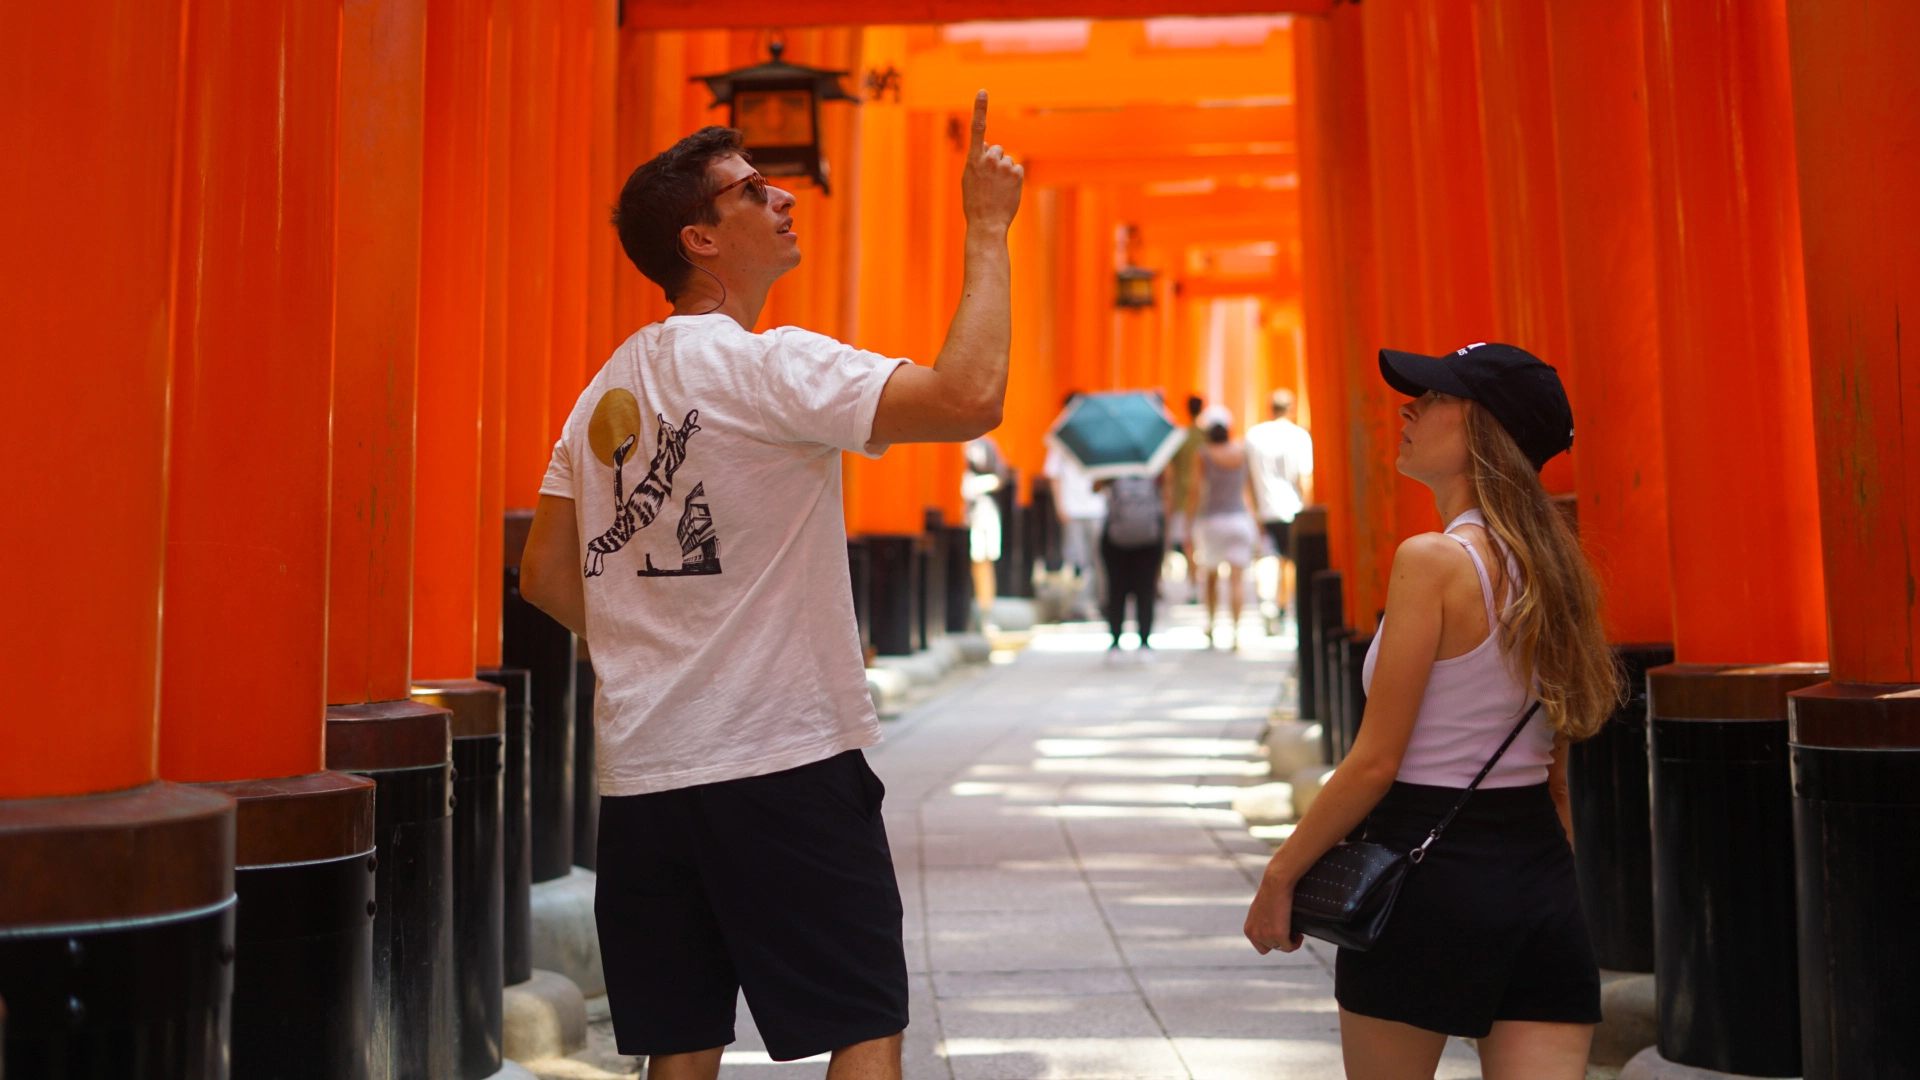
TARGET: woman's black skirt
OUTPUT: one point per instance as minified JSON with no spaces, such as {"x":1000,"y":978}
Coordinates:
{"x":1487,"y":928}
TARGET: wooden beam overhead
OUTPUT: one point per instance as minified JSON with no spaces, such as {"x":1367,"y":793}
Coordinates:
{"x":745,"y":14}
{"x":1170,"y":177}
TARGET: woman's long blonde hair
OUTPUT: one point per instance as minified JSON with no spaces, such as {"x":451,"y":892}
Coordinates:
{"x":1551,"y":631}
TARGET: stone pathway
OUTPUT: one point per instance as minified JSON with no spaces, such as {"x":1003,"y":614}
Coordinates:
{"x":1075,"y":880}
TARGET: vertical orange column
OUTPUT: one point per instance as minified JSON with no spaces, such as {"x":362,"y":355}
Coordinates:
{"x":382,"y":109}
{"x":605,"y":174}
{"x":92,"y":336}
{"x":1856,"y":740}
{"x":1337,"y":245}
{"x":1613,"y":312}
{"x":491,"y":556}
{"x":88,"y":101}
{"x":453,"y":304}
{"x":249,"y":497}
{"x":530,"y":240}
{"x":1745,"y":538}
{"x":573,"y":135}
{"x":1523,"y":200}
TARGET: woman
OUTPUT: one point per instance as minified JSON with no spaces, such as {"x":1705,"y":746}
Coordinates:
{"x":1223,"y":527}
{"x":1487,"y":940}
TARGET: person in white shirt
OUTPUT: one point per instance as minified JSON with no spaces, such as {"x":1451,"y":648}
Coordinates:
{"x":1280,"y":461}
{"x":690,"y":527}
{"x":1083,"y":513}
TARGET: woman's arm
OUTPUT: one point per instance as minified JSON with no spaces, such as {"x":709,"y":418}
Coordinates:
{"x":1409,"y":642}
{"x":1557,"y":785}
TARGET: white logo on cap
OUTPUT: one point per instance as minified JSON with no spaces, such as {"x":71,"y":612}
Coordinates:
{"x":1469,"y":348}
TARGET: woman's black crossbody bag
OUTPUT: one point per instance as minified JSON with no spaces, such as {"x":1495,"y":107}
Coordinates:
{"x":1347,"y":895}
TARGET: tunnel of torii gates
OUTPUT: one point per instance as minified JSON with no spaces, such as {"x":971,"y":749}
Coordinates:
{"x":298,"y":294}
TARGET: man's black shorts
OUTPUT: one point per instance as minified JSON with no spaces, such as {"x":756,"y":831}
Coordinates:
{"x":779,"y":885}
{"x":1281,"y":533}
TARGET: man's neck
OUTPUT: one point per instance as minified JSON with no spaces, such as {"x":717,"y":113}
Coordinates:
{"x":703,"y":297}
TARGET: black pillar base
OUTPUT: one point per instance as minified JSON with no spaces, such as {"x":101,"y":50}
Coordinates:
{"x":1329,"y":617}
{"x":1723,"y":871}
{"x":303,"y":962}
{"x":116,"y":934}
{"x":1612,"y":821}
{"x":479,"y":729}
{"x":893,"y":561}
{"x":516,"y":825}
{"x":531,"y":639}
{"x":1856,"y":824}
{"x":406,"y":749}
{"x":959,"y":601}
{"x":932,"y":580}
{"x":1310,"y":556}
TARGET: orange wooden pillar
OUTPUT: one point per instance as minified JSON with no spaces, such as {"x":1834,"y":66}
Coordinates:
{"x":243,"y":704}
{"x":1856,"y":740}
{"x":452,"y":337}
{"x":1745,"y":535}
{"x":88,"y":305}
{"x":1523,"y":200}
{"x":1340,"y":310}
{"x":1606,"y":216}
{"x":373,"y":728}
{"x":531,"y":641}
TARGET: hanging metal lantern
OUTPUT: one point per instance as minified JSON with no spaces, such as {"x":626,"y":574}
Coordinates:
{"x":776,"y":107}
{"x":1133,"y":287}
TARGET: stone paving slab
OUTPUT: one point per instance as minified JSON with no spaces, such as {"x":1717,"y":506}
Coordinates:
{"x":1075,"y":877}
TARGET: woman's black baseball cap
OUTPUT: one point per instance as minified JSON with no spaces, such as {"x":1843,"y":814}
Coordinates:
{"x":1517,"y":387}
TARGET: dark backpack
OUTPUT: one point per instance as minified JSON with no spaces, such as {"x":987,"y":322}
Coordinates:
{"x":1133,"y":512}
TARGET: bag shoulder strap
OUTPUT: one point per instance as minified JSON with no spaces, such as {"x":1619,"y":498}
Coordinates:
{"x":1420,"y":852}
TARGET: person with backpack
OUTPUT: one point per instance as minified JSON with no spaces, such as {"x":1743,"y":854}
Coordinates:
{"x":1131,"y":546}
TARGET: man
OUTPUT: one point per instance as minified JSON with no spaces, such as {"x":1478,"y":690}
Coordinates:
{"x":690,"y":527}
{"x":1180,"y":492}
{"x":1083,"y":514}
{"x":1280,"y":463}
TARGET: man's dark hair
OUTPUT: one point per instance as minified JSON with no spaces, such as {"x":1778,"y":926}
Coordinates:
{"x":658,"y":200}
{"x":1194,"y":405}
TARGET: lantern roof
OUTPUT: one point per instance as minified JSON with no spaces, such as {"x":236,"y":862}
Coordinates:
{"x":776,"y":73}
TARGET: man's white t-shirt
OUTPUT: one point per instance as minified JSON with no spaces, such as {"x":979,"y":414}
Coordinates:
{"x":1280,"y":452}
{"x":703,"y":462}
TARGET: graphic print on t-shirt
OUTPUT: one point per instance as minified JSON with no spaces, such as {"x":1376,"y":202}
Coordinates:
{"x":613,"y":433}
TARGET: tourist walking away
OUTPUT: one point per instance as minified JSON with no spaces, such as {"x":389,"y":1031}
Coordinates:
{"x":690,"y":527}
{"x":1280,"y":459}
{"x":1083,"y":512}
{"x":1223,"y":530}
{"x":986,"y":472}
{"x":1179,"y":488}
{"x":1490,"y":659}
{"x":1131,"y":547}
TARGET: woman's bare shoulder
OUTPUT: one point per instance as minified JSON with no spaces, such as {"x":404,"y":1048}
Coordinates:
{"x":1431,"y":555}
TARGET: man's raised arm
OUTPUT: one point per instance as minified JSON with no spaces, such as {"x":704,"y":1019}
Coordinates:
{"x":960,"y":397}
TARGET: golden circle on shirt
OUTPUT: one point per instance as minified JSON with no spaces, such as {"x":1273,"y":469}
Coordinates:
{"x":615,"y":417}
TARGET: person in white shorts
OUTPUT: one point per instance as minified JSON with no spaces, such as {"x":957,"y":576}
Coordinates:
{"x":1223,"y":530}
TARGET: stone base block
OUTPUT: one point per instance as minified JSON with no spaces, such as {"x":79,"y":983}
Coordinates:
{"x":973,"y":648}
{"x":1629,"y":1022}
{"x":888,"y":689}
{"x":512,"y":1070}
{"x":1012,"y":613}
{"x":1265,"y":804}
{"x":1307,"y":783}
{"x":1649,"y":1065}
{"x":563,"y":936}
{"x":546,"y":1017}
{"x":1292,"y":745}
{"x":923,"y":668}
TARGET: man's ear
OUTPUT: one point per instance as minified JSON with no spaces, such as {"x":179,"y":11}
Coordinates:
{"x":698,"y":240}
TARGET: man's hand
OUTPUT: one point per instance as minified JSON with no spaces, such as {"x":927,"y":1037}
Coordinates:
{"x":990,"y":184}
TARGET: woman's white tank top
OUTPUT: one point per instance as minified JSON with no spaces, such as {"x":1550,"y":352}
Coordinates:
{"x":1472,"y":701}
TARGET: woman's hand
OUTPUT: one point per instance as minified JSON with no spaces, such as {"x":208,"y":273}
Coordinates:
{"x":1270,"y":917}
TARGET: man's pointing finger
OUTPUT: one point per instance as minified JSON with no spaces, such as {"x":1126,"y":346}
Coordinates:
{"x":979,"y":125}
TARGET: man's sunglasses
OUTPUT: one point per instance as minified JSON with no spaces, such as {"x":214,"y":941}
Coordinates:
{"x":754,"y":181}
